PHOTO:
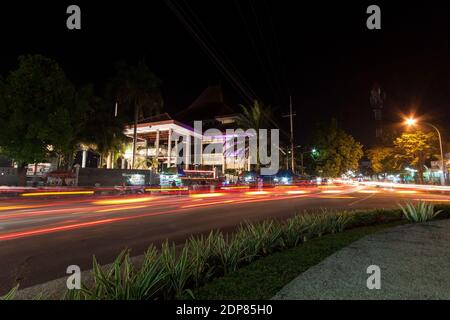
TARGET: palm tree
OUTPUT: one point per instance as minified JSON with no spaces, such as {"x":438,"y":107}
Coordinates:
{"x":256,"y":116}
{"x":136,"y":90}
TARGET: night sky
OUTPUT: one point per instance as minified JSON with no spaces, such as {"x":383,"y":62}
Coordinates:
{"x":322,"y":54}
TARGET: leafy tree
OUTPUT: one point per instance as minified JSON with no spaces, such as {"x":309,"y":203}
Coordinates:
{"x":414,"y":149}
{"x":39,"y":112}
{"x":338,"y":152}
{"x":382,"y":159}
{"x":137,"y":91}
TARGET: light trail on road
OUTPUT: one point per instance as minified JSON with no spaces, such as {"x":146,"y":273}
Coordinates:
{"x":93,"y":212}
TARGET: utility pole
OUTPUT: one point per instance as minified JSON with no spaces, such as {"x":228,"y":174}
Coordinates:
{"x":134,"y":136}
{"x":291,"y":115}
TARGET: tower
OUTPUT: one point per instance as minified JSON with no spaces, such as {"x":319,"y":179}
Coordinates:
{"x":377,"y":97}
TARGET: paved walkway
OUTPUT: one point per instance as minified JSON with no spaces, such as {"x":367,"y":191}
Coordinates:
{"x":414,"y":260}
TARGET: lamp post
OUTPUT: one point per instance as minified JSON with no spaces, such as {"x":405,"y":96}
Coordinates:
{"x":411,"y":122}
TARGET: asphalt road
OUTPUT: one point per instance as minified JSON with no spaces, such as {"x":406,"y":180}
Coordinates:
{"x":39,"y":238}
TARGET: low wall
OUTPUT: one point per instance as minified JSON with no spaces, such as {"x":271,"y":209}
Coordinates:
{"x":8,"y":176}
{"x":90,"y":177}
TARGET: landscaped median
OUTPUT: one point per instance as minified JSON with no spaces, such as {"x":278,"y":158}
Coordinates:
{"x":254,"y":262}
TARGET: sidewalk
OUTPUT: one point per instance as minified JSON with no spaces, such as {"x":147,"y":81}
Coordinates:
{"x":414,"y":260}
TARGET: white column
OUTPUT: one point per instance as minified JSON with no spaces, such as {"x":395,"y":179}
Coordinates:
{"x":157,"y":144}
{"x":123,"y":163}
{"x":224,"y":162}
{"x":83,"y":159}
{"x":108,"y":161}
{"x":169,"y":149}
{"x":187,"y":154}
{"x":201,"y":152}
{"x":112,"y":160}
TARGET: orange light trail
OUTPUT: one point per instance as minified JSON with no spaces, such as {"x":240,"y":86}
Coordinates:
{"x":406,"y":191}
{"x":22,"y":234}
{"x":332,"y":191}
{"x":235,"y":187}
{"x":55,"y":193}
{"x":256,"y":193}
{"x":166,"y":189}
{"x":121,"y":208}
{"x":296,"y":192}
{"x":5,"y":208}
{"x":42,"y":231}
{"x":433,"y":200}
{"x":207,"y":195}
{"x":337,"y":197}
{"x":123,"y":201}
{"x":207,"y":204}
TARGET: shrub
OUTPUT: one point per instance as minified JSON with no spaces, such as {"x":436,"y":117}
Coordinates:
{"x":177,"y":269}
{"x":201,"y":252}
{"x":259,"y":239}
{"x":420,"y":212}
{"x":294,"y":231}
{"x":229,"y":252}
{"x":122,"y":282}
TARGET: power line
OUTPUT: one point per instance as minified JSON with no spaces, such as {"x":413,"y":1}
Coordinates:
{"x":223,"y":55}
{"x":236,"y":83}
{"x":255,"y":48}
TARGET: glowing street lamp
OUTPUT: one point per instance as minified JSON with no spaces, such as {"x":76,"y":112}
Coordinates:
{"x":411,"y":122}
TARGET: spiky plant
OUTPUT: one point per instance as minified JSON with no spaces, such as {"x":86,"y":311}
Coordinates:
{"x":11,"y":294}
{"x":178,"y":269}
{"x":261,"y":238}
{"x":201,"y":253}
{"x":122,"y":281}
{"x":230,"y":252}
{"x":419,"y":212}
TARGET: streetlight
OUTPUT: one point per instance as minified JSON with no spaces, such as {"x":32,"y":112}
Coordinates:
{"x":411,"y":122}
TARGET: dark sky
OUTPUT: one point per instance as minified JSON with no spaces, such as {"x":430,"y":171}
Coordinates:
{"x":321,"y":53}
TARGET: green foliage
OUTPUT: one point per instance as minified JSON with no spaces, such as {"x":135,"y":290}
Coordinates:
{"x":10,"y":295}
{"x":259,"y":239}
{"x":414,"y":148}
{"x":419,"y":212}
{"x":338,"y":152}
{"x":122,"y":281}
{"x":177,"y":268}
{"x":203,"y":262}
{"x":382,"y":159}
{"x":101,"y":130}
{"x":38,"y":108}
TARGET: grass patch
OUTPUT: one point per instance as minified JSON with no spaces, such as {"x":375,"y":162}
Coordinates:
{"x":263,"y":278}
